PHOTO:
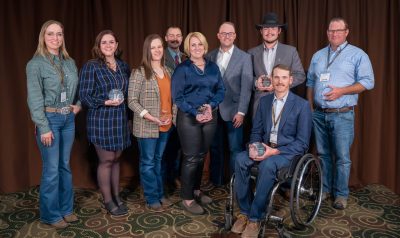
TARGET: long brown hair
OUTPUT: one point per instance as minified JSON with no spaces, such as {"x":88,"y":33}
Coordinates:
{"x":42,"y":48}
{"x":96,"y":52}
{"x":146,"y":57}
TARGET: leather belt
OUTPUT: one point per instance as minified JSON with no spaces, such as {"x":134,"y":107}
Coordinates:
{"x":335,"y":110}
{"x":63,"y":110}
{"x":272,"y":145}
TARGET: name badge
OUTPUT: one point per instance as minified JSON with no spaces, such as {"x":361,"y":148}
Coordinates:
{"x":273,"y":137}
{"x":324,"y":77}
{"x":63,"y":96}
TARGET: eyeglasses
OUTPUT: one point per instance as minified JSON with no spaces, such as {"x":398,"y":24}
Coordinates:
{"x":227,"y":34}
{"x":336,"y":31}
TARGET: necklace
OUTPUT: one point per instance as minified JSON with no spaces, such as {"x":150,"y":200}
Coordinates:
{"x":116,"y":93}
{"x":199,"y":71}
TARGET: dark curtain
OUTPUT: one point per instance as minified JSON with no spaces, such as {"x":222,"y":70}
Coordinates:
{"x":374,"y":27}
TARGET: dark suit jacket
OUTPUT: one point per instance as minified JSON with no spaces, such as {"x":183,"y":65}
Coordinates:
{"x":294,"y":129}
{"x":238,"y":82}
{"x":285,"y":54}
{"x":169,"y":61}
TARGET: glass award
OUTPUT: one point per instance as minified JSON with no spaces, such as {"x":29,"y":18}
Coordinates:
{"x":116,"y":94}
{"x":165,"y":116}
{"x":259,"y":147}
{"x":266,"y":82}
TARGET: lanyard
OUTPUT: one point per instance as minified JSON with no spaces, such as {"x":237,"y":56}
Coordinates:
{"x":58,"y":68}
{"x":275,"y":122}
{"x":329,"y":55}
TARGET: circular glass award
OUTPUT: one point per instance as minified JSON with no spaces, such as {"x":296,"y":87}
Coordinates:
{"x":116,"y":94}
{"x":259,"y":147}
{"x":266,"y":82}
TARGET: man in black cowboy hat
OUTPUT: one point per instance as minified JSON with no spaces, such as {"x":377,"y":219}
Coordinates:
{"x":271,"y":53}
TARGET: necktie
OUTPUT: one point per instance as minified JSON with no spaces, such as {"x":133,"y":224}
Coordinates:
{"x":176,"y":60}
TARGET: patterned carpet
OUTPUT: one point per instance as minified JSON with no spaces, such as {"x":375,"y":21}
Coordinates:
{"x":373,"y":211}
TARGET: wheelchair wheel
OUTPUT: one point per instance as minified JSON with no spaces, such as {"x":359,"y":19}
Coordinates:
{"x":306,"y":191}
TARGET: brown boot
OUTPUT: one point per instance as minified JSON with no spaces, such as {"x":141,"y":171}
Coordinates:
{"x":240,"y":224}
{"x":59,"y":225}
{"x":71,"y":218}
{"x":252,"y":230}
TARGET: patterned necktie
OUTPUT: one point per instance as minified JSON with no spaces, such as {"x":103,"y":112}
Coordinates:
{"x":176,"y":59}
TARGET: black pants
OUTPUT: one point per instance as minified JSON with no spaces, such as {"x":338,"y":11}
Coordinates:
{"x":195,"y":140}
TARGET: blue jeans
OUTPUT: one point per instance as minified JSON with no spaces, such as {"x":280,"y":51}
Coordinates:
{"x":267,"y":172}
{"x":171,"y":158}
{"x":151,"y":152}
{"x":217,"y":161}
{"x":56,"y":191}
{"x":334,"y":135}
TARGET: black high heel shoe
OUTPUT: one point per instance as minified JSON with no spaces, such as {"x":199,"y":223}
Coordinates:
{"x":114,"y":210}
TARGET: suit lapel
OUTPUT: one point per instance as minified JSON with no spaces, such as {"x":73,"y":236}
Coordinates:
{"x":259,"y":59}
{"x":278,"y":55}
{"x":268,"y":116}
{"x":286,"y":110}
{"x":232,"y":62}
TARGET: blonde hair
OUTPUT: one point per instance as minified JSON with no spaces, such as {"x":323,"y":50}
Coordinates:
{"x":42,"y":48}
{"x":199,"y":36}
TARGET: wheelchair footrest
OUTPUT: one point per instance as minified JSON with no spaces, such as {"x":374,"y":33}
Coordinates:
{"x":275,"y":219}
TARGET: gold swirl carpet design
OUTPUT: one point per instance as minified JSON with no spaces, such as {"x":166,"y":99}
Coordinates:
{"x":373,"y":211}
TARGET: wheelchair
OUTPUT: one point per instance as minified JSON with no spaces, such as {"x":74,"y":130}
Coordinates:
{"x":305,"y":178}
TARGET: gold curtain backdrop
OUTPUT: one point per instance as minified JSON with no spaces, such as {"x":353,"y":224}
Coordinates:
{"x":374,"y":27}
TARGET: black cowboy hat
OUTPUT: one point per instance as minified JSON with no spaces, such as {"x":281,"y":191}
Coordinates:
{"x":271,"y":20}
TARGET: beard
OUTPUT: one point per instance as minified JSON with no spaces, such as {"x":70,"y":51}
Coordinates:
{"x":271,"y":41}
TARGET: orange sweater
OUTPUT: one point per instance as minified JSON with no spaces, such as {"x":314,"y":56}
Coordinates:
{"x":164,"y":85}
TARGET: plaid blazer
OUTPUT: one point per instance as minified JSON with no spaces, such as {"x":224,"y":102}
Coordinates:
{"x":143,"y":97}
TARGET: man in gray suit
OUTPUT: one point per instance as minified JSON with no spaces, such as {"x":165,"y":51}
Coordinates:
{"x":170,"y":163}
{"x":173,"y":55}
{"x":271,"y":53}
{"x":236,"y":70}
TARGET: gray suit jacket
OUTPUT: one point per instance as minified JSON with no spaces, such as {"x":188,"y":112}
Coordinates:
{"x":169,"y":61}
{"x":238,"y":82}
{"x":285,"y":54}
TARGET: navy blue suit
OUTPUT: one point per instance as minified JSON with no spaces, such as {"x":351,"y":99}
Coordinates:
{"x":293,"y":140}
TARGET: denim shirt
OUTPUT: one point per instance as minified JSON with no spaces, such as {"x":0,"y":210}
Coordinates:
{"x":44,"y":87}
{"x":352,"y":65}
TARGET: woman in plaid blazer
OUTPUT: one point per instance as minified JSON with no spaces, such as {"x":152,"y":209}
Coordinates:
{"x":149,"y":97}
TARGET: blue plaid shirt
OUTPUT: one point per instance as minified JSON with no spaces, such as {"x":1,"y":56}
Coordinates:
{"x":107,"y":126}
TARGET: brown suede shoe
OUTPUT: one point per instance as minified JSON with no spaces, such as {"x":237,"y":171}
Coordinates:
{"x":165,"y":202}
{"x":202,"y":198}
{"x":71,"y":218}
{"x":240,"y":224}
{"x":340,"y":203}
{"x":60,"y":225}
{"x":252,"y":230}
{"x":193,"y":208}
{"x":155,"y":207}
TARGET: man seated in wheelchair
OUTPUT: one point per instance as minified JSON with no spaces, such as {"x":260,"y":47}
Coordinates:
{"x":283,"y":125}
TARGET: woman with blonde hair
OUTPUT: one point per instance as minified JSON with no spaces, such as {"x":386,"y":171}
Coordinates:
{"x":52,"y":81}
{"x":197,"y":89}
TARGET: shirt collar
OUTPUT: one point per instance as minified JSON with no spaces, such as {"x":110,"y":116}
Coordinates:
{"x":273,"y":48}
{"x":283,"y":99}
{"x":230,"y":51}
{"x":173,"y":52}
{"x":340,"y":47}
